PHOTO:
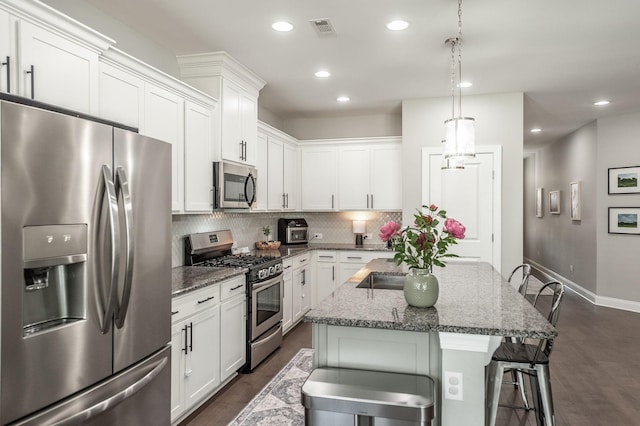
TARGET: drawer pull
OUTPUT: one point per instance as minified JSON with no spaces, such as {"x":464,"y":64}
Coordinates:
{"x":354,"y":257}
{"x":206,"y":300}
{"x":237,"y":287}
{"x":326,"y":257}
{"x":174,"y":312}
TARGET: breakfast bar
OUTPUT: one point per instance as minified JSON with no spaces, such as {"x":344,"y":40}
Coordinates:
{"x":364,"y":327}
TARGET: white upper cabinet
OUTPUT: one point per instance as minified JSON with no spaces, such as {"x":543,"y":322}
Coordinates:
{"x":319,"y":177}
{"x":281,"y":169}
{"x":386,"y":177}
{"x":354,"y":177}
{"x":121,"y":95}
{"x":52,"y":58}
{"x":275,"y":168}
{"x":198,"y":157}
{"x":261,"y":166}
{"x":237,"y":88}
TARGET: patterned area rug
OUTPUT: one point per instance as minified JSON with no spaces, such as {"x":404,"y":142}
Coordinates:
{"x":278,"y":403}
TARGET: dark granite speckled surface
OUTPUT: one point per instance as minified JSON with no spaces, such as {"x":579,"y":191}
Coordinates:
{"x":474,"y":299}
{"x":185,"y":279}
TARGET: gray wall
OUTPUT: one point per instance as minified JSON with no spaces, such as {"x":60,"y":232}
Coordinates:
{"x":127,"y":39}
{"x":555,"y":241}
{"x":499,"y":121}
{"x":618,"y":255}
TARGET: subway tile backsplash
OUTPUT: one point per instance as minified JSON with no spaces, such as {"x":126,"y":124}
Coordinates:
{"x":335,"y":227}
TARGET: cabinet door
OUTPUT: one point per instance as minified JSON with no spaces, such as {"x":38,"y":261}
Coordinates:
{"x":325,"y":284}
{"x":296,"y":296}
{"x":232,"y":336}
{"x":177,"y":369}
{"x":353,"y":178}
{"x":319,"y":178}
{"x":287,"y":298}
{"x":249,"y":130}
{"x":263,"y":174}
{"x":386,"y":177}
{"x":290,"y":177}
{"x":121,"y":96}
{"x":64,"y":73}
{"x":164,"y":120}
{"x":202,"y":367}
{"x":6,"y":51}
{"x":198,"y":157}
{"x":275,"y":165}
{"x":306,"y":287}
{"x":231,"y":122}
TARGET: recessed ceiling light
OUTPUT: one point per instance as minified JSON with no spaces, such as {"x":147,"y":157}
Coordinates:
{"x":536,"y":130}
{"x":602,"y":103}
{"x":282,"y":26}
{"x":323,"y":74}
{"x":464,"y":84}
{"x":343,"y":99}
{"x":398,"y":25}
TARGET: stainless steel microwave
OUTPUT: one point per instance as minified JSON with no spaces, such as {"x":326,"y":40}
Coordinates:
{"x":234,"y":185}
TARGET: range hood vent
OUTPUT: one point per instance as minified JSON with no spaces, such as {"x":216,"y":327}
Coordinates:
{"x":323,"y":27}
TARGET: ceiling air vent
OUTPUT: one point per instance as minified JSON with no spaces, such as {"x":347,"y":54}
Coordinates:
{"x":323,"y":27}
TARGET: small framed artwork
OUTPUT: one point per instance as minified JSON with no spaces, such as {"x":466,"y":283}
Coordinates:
{"x":624,"y":220}
{"x":576,"y":203}
{"x":554,"y":202}
{"x":538,"y":202}
{"x":624,"y":180}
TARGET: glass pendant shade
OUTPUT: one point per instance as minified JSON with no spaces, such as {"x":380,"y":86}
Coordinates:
{"x":460,"y":138}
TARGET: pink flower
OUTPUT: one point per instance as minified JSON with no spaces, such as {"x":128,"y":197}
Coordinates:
{"x":433,"y":207}
{"x":389,"y":230}
{"x":454,"y":228}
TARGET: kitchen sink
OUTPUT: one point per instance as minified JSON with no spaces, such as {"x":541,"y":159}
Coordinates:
{"x":382,"y":281}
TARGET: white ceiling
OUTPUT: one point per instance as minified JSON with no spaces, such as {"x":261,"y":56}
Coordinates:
{"x":562,"y":54}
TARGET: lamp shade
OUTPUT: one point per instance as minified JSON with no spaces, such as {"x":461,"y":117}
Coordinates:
{"x":359,"y":226}
{"x":460,"y":137}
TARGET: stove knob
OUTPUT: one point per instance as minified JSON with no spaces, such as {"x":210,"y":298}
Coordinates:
{"x":278,"y":267}
{"x":263,"y":273}
{"x":272,"y":270}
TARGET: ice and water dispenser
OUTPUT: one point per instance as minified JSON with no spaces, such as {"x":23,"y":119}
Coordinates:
{"x":54,"y":265}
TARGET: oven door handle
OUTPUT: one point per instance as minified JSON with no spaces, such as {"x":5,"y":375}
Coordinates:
{"x":269,"y":282}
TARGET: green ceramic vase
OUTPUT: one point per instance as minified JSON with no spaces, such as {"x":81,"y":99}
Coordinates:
{"x":421,"y":288}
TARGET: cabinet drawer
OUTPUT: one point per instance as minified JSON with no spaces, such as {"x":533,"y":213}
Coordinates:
{"x":354,"y":256}
{"x":326,"y":256}
{"x":233,"y":287}
{"x":301,"y":260}
{"x":183,"y":306}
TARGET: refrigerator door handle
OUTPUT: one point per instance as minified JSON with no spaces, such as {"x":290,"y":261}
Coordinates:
{"x":112,"y":211}
{"x":107,"y":404}
{"x":122,"y":187}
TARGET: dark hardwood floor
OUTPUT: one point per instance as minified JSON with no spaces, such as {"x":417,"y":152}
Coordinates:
{"x":595,"y":368}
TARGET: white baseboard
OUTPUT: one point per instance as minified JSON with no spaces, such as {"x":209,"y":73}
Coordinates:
{"x":609,"y":302}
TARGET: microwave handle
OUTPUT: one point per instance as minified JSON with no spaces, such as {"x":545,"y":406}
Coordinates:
{"x":251,"y":179}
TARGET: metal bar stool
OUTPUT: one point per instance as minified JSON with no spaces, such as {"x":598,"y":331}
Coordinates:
{"x":529,"y":359}
{"x":517,"y":376}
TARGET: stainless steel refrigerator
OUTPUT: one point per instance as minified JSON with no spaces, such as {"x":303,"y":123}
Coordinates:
{"x":86,"y":279}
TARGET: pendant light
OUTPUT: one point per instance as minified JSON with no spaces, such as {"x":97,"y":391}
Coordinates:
{"x":459,"y":142}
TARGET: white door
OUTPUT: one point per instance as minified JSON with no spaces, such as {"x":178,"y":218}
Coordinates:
{"x":472,"y":196}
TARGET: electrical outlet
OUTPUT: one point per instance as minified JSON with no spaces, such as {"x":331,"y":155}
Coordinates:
{"x":571,"y":268}
{"x":368,"y":236}
{"x":317,"y":236}
{"x":452,"y":384}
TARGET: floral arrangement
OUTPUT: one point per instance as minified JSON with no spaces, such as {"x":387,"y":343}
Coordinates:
{"x":424,"y":244}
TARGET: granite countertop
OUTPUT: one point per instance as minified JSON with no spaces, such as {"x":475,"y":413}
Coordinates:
{"x":474,"y":299}
{"x":293,"y":250}
{"x":185,"y":279}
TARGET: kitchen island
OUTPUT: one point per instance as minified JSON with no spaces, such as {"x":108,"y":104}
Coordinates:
{"x":375,"y":329}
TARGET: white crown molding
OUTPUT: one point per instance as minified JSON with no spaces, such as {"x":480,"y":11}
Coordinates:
{"x":340,"y":141}
{"x":272,"y":131}
{"x":609,"y":302}
{"x":218,"y":64}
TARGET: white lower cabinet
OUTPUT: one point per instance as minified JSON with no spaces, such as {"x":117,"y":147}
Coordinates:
{"x":208,"y":343}
{"x":287,"y":295}
{"x":326,"y":274}
{"x":298,"y":289}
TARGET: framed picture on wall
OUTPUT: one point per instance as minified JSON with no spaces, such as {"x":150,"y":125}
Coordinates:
{"x":538,"y":202}
{"x":554,"y":202}
{"x":624,"y":220}
{"x":624,"y":180}
{"x":576,"y":203}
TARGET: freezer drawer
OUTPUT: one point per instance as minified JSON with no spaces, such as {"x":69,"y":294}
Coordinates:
{"x":138,"y":396}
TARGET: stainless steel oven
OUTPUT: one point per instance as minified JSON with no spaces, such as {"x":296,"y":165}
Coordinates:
{"x":266,"y":305}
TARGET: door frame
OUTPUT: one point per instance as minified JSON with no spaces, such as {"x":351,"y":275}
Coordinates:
{"x":496,"y":151}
